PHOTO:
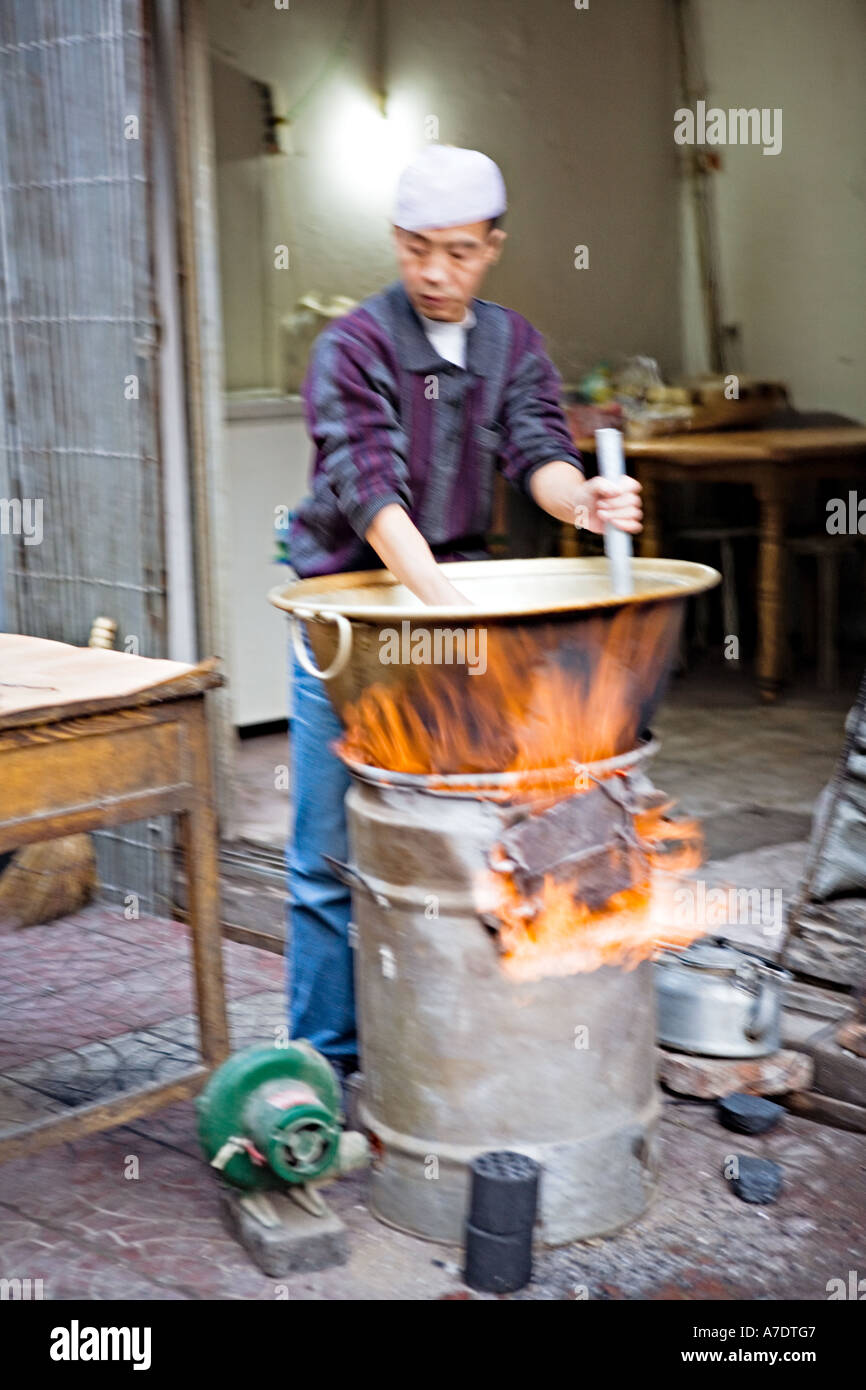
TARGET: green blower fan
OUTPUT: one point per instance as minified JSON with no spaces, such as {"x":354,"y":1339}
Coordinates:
{"x":271,"y":1118}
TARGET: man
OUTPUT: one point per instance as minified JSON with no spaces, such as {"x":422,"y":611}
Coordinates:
{"x":413,"y":399}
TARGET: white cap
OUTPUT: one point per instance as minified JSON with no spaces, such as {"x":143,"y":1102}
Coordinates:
{"x":446,"y":187}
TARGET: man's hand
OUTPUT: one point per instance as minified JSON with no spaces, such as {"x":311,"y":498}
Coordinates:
{"x":609,"y":501}
{"x":562,"y":490}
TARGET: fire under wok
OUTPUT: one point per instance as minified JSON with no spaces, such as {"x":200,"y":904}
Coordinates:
{"x":545,"y":664}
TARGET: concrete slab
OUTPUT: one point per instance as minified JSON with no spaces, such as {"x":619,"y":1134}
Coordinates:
{"x":826,"y":1110}
{"x":711,"y":1077}
{"x":798,"y":1028}
{"x":748,"y":828}
{"x":299,"y":1243}
{"x":838,"y":1073}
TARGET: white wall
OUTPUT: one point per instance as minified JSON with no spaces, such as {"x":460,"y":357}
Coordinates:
{"x":575,"y":105}
{"x":267,"y":461}
{"x":792,"y":227}
{"x":318,"y":200}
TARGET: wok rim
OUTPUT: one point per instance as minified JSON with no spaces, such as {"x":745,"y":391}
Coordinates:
{"x":322,"y":591}
{"x":474,"y":784}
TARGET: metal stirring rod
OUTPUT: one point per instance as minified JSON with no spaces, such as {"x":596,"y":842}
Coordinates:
{"x":617,"y":543}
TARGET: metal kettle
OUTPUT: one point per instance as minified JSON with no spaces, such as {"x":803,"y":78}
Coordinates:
{"x":717,"y":1001}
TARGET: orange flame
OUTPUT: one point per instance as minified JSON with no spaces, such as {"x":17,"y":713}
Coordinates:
{"x":530,"y":709}
{"x":554,"y":933}
{"x":552,"y":699}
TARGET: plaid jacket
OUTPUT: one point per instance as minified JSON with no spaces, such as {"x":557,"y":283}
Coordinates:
{"x":392,"y":421}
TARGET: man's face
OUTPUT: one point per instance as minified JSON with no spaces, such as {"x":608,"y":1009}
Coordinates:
{"x":442,"y":267}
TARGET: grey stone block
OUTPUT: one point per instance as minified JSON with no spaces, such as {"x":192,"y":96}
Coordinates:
{"x":299,"y":1244}
{"x":838,"y":1073}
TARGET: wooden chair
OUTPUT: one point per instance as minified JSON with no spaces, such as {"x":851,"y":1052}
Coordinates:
{"x":724,"y":537}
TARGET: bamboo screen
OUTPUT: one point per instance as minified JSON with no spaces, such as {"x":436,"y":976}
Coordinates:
{"x":78,"y":354}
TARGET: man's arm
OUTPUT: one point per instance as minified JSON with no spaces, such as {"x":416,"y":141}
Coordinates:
{"x":350,"y":412}
{"x":404,"y":551}
{"x":539,"y":456}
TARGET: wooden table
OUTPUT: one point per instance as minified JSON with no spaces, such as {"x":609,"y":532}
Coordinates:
{"x":93,"y":738}
{"x":770,"y":461}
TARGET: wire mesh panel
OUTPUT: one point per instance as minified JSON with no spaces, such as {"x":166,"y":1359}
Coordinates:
{"x":81,"y":525}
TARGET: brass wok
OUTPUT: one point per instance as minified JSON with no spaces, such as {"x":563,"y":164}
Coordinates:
{"x":564,"y":607}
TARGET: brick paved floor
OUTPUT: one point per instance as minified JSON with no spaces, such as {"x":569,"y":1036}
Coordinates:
{"x":93,"y":1004}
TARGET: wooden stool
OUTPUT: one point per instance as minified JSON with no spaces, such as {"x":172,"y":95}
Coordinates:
{"x":827,"y":551}
{"x":92,"y":738}
{"x":724,"y":536}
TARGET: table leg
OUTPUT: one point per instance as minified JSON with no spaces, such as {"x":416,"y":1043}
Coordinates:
{"x":650,"y":538}
{"x":828,"y":609}
{"x":569,"y":545}
{"x":771,"y":584}
{"x":198,"y":830}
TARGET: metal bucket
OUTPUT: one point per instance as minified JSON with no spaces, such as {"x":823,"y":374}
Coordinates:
{"x":458,"y":1058}
{"x":545,"y":613}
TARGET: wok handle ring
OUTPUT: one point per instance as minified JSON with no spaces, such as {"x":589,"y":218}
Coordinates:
{"x":344,"y":641}
{"x":351,"y":876}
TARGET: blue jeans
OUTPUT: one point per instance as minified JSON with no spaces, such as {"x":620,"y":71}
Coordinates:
{"x":320,"y":979}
